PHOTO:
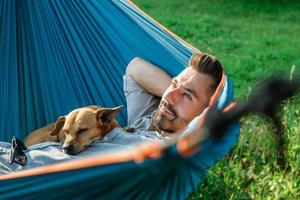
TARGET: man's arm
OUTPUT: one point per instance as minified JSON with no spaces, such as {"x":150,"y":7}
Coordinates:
{"x":153,"y":79}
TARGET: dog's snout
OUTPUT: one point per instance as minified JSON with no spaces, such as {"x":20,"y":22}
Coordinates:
{"x":68,"y":148}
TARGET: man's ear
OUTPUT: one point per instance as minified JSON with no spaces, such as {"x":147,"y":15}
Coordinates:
{"x":58,"y":125}
{"x":106,"y":115}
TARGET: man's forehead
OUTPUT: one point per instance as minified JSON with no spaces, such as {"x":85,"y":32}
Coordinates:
{"x":189,"y":75}
{"x":199,"y":82}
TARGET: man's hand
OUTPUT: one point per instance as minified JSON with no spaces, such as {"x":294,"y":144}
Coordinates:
{"x":153,"y":79}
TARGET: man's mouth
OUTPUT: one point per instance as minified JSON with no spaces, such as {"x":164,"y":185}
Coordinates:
{"x":168,"y":111}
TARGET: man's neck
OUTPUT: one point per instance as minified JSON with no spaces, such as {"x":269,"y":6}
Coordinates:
{"x":154,"y":127}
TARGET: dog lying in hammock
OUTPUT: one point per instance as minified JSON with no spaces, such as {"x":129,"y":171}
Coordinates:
{"x":78,"y":129}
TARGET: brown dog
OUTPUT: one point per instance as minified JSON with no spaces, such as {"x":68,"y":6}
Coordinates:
{"x":78,"y":129}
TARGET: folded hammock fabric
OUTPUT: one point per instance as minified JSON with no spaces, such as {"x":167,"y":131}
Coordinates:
{"x":59,"y":55}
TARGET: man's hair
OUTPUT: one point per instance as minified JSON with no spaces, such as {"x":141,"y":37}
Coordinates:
{"x":207,"y":64}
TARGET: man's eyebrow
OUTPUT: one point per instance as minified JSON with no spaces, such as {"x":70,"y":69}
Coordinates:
{"x":192,"y":92}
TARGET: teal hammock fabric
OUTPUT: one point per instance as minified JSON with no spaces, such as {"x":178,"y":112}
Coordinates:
{"x":57,"y":55}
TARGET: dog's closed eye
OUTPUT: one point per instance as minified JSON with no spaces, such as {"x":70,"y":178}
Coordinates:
{"x":81,"y":130}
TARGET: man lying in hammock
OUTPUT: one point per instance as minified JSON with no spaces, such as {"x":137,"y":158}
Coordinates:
{"x":157,"y":107}
{"x":157,"y":102}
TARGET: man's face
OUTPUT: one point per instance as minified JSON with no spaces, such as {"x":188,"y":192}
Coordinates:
{"x":186,"y":97}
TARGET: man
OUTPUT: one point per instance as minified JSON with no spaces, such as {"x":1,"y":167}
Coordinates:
{"x":182,"y":97}
{"x":157,"y":107}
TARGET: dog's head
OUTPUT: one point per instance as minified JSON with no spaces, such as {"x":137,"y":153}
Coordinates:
{"x":83,"y":126}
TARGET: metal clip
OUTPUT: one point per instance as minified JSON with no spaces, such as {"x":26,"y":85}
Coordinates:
{"x":16,"y":152}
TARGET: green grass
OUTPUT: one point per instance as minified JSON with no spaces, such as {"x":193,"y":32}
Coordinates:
{"x":253,"y":39}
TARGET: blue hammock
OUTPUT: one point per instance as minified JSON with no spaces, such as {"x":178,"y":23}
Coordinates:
{"x":57,"y":55}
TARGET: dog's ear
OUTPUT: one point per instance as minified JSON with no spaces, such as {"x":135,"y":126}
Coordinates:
{"x":106,"y":115}
{"x":58,"y":125}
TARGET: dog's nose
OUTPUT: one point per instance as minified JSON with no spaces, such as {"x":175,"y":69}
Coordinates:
{"x":68,"y":148}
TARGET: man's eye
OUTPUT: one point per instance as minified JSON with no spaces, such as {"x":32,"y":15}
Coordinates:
{"x":81,"y":130}
{"x":187,"y":95}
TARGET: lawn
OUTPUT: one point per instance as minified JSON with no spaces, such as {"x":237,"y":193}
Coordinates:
{"x":253,"y":39}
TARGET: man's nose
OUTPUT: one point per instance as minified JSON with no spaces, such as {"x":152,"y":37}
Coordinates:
{"x":173,"y":96}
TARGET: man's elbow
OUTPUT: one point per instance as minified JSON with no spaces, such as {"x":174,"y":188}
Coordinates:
{"x":132,"y":66}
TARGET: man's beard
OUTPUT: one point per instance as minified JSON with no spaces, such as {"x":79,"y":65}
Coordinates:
{"x":161,"y":123}
{"x":158,"y":122}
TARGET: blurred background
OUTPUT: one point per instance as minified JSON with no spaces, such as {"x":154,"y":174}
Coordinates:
{"x":253,"y":39}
